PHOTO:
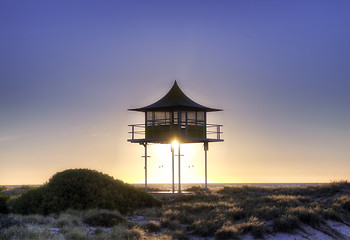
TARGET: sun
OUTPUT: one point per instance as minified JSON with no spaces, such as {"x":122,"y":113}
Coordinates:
{"x":175,"y":145}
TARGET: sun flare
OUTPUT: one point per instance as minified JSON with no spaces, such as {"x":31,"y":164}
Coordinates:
{"x":175,"y":144}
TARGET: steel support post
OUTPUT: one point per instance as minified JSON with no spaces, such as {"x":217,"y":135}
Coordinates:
{"x":179,"y":170}
{"x":206,"y":147}
{"x":172,"y":161}
{"x":145,"y":145}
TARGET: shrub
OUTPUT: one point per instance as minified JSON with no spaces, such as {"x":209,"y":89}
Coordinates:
{"x":174,"y":225}
{"x":76,"y":233}
{"x":286,"y":223}
{"x":179,"y":234}
{"x":66,"y":219}
{"x":254,"y":226}
{"x":235,"y":213}
{"x":308,"y":216}
{"x":269,"y":213}
{"x":344,"y":202}
{"x":120,"y":232}
{"x":3,"y":203}
{"x":35,"y":219}
{"x":6,"y":222}
{"x":153,"y":226}
{"x":330,"y":213}
{"x":195,"y":189}
{"x":227,"y":232}
{"x":18,"y":232}
{"x":205,"y":227}
{"x":82,"y":189}
{"x":104,"y":219}
{"x":21,"y":232}
{"x":180,"y":215}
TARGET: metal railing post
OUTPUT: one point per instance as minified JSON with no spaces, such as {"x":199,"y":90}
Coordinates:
{"x":218,"y":132}
{"x":132,"y":131}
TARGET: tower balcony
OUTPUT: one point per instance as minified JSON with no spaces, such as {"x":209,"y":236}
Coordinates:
{"x":166,"y":132}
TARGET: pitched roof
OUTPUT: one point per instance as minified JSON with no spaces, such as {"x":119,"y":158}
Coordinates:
{"x":175,"y":99}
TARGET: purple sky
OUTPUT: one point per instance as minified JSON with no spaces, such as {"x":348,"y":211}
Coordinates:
{"x":279,"y":69}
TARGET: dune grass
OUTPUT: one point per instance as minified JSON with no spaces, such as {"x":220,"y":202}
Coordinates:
{"x":231,"y":212}
{"x":221,"y":213}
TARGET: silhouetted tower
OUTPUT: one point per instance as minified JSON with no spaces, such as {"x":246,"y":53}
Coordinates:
{"x":175,"y":117}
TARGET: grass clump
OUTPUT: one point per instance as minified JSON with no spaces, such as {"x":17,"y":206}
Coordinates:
{"x":206,"y":227}
{"x":286,"y":223}
{"x":227,"y":232}
{"x":76,"y":233}
{"x":82,"y":189}
{"x":306,"y":215}
{"x":21,"y":232}
{"x":195,"y":189}
{"x":235,"y":213}
{"x":121,"y":232}
{"x":7,"y":222}
{"x":104,"y":219}
{"x":153,"y":226}
{"x":67,"y":220}
{"x":179,"y":234}
{"x":254,"y":226}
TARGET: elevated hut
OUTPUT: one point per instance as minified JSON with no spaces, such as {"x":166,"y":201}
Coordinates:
{"x":175,"y":117}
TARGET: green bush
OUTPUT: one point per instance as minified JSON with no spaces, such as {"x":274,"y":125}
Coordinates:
{"x":3,"y":203}
{"x":82,"y":189}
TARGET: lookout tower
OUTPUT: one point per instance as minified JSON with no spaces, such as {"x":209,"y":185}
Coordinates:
{"x":175,"y":117}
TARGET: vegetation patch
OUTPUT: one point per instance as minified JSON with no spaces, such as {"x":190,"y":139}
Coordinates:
{"x":7,"y":222}
{"x":232,"y":212}
{"x":104,"y":219}
{"x":82,"y":189}
{"x":153,"y":226}
{"x":3,"y":202}
{"x":225,"y":213}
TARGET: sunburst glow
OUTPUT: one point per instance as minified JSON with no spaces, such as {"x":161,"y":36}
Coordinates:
{"x":192,"y":163}
{"x":175,"y":144}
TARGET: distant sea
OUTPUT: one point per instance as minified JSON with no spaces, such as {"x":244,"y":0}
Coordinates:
{"x":168,"y":186}
{"x":14,"y":186}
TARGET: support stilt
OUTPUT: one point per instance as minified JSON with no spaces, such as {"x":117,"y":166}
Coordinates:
{"x":173,"y":172}
{"x":145,"y":145}
{"x":146,"y":166}
{"x":206,"y":147}
{"x":179,"y":170}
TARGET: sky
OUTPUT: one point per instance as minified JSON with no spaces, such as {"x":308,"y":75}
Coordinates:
{"x":69,"y":70}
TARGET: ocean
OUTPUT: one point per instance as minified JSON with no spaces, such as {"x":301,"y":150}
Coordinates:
{"x":168,"y":186}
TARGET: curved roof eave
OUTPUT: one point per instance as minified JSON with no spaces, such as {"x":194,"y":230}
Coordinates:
{"x":175,"y":99}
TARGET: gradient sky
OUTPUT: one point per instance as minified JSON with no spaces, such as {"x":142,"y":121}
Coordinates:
{"x":69,"y":70}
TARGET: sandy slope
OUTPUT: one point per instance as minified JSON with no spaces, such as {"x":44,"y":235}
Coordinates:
{"x":336,"y":231}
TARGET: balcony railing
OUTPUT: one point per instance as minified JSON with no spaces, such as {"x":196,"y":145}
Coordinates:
{"x":189,"y":132}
